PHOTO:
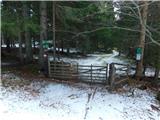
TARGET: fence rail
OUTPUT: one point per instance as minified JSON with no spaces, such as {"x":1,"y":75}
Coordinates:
{"x":86,"y":73}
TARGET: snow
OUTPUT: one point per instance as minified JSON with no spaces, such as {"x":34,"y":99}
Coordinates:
{"x":3,"y":45}
{"x":95,"y":59}
{"x":17,"y":45}
{"x":54,"y":101}
{"x":71,"y":50}
{"x":150,"y":72}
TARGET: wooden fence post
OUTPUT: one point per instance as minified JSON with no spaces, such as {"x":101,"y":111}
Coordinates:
{"x":54,"y":62}
{"x":77,"y":68}
{"x":78,"y":71}
{"x":49,"y":70}
{"x":106,"y":73}
{"x":112,"y":71}
{"x":128,"y":69}
{"x":91,"y":73}
{"x":62,"y":70}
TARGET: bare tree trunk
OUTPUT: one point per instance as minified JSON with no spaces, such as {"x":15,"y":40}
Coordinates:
{"x":20,"y":53}
{"x":139,"y":69}
{"x":8,"y":48}
{"x":54,"y":29}
{"x":62,"y":45}
{"x":29,"y":55}
{"x":2,"y":38}
{"x":68,"y":50}
{"x":157,"y":62}
{"x":144,"y":70}
{"x":34,"y":45}
{"x":20,"y":47}
{"x":28,"y":44}
{"x":43,"y":32}
{"x":120,"y":52}
{"x":156,"y":74}
{"x":11,"y":42}
{"x":58,"y":53}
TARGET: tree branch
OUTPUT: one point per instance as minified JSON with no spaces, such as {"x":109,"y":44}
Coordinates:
{"x":102,"y":28}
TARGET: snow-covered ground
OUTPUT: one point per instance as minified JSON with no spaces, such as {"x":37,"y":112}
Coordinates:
{"x":54,"y":101}
{"x":96,"y":59}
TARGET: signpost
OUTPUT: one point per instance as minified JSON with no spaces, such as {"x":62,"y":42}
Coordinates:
{"x":45,"y":44}
{"x":138,"y":54}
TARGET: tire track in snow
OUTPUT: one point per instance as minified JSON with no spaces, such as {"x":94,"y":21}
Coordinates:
{"x":88,"y":105}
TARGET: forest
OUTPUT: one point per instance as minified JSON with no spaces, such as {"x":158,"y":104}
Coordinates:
{"x":111,"y":40}
{"x":87,"y":27}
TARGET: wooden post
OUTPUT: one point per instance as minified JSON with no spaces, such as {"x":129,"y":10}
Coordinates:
{"x":49,"y":70}
{"x":156,"y":74}
{"x":54,"y":68}
{"x":128,"y":70}
{"x":77,"y":72}
{"x":77,"y":68}
{"x":72,"y":71}
{"x":112,"y":71}
{"x":91,"y":72}
{"x":106,"y":73}
{"x":62,"y":69}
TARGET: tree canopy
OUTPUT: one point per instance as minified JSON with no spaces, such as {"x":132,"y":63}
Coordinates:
{"x":88,"y":26}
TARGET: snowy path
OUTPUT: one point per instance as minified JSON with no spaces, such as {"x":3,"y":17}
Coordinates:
{"x":97,"y":59}
{"x":54,"y":101}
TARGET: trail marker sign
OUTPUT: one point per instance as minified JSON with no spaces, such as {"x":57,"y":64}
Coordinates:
{"x":45,"y":44}
{"x":138,"y":53}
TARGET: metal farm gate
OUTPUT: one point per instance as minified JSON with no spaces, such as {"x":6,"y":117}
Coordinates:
{"x":114,"y":74}
{"x":119,"y":74}
{"x":76,"y":72}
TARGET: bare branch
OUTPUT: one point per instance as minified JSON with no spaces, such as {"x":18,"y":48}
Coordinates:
{"x":153,"y":29}
{"x":102,"y":28}
{"x":115,"y":12}
{"x":149,"y":35}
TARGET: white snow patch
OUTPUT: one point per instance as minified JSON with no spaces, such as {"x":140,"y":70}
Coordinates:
{"x":65,"y":102}
{"x":3,"y":45}
{"x":150,"y":72}
{"x":97,"y":59}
